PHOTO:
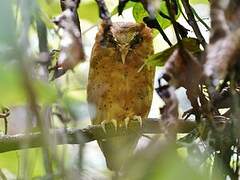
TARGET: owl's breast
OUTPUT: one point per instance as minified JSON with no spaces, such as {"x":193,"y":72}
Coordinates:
{"x":117,"y":87}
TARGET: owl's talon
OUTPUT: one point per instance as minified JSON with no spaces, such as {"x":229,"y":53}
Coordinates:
{"x":114,"y":122}
{"x":103,"y":125}
{"x":139,"y":119}
{"x":126,"y":122}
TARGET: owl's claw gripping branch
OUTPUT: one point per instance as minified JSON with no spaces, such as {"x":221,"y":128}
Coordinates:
{"x":126,"y":122}
{"x":135,"y":117}
{"x":103,"y":125}
{"x":139,"y":119}
{"x":114,"y":123}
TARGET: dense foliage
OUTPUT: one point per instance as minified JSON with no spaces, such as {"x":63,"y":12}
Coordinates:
{"x":44,"y":51}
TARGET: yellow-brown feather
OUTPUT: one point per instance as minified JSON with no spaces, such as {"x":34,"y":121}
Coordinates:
{"x":118,"y":90}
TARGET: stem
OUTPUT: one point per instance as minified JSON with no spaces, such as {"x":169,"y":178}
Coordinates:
{"x":192,"y":22}
{"x":173,"y":20}
{"x":200,"y":19}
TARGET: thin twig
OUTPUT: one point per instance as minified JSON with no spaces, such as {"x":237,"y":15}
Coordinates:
{"x":200,"y":19}
{"x":103,"y":12}
{"x":173,"y":20}
{"x":192,"y":22}
{"x":5,"y":113}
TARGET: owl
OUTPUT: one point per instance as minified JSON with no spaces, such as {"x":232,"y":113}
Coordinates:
{"x":120,"y":84}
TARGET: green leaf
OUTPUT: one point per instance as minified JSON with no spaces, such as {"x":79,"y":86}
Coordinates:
{"x":87,"y":10}
{"x":164,"y":23}
{"x":159,"y":59}
{"x":199,"y":2}
{"x":9,"y":161}
{"x":13,"y":161}
{"x":139,"y":13}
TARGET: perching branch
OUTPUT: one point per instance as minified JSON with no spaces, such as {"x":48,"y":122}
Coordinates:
{"x":91,"y":133}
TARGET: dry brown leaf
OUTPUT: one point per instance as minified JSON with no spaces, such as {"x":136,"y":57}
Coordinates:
{"x":222,"y":56}
{"x":169,"y":111}
{"x":71,"y":49}
{"x":232,"y":14}
{"x":185,"y":71}
{"x":223,"y":50}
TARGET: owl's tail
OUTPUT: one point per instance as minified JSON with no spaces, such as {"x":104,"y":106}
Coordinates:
{"x":118,"y":150}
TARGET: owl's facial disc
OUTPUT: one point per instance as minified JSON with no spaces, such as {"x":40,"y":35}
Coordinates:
{"x":124,"y":37}
{"x":124,"y":42}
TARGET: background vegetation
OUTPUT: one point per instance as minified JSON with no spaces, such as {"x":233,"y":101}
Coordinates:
{"x":43,"y":97}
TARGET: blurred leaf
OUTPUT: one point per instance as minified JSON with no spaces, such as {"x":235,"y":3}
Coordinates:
{"x":13,"y":93}
{"x":159,"y":59}
{"x":13,"y":161}
{"x":9,"y":161}
{"x":159,"y":162}
{"x":87,"y":10}
{"x":171,"y":168}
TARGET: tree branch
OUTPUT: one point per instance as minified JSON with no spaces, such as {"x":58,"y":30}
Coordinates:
{"x":192,"y":22}
{"x":91,"y":133}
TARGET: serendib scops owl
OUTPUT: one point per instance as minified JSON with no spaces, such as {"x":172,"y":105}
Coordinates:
{"x":120,"y":85}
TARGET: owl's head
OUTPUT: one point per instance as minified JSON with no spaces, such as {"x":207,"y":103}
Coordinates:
{"x":126,"y":36}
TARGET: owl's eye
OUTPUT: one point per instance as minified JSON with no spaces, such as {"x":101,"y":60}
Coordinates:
{"x":108,"y":41}
{"x":136,"y":40}
{"x":112,"y":41}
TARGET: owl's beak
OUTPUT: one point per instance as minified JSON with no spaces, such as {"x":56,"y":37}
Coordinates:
{"x":124,"y":51}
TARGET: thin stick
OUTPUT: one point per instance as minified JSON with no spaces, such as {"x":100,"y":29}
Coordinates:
{"x":192,"y":22}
